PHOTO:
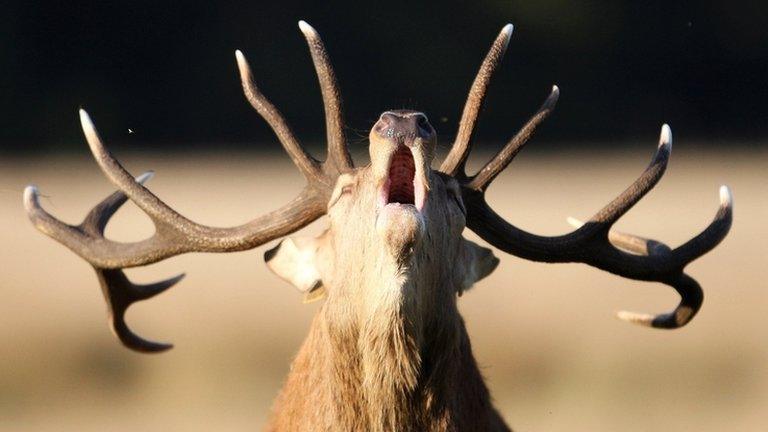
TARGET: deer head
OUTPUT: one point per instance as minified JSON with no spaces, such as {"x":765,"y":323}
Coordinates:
{"x":395,"y":225}
{"x":395,"y":230}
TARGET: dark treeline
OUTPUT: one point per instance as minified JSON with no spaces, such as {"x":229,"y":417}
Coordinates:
{"x":166,"y":70}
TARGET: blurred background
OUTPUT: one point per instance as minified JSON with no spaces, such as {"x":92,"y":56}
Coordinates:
{"x":161,"y":83}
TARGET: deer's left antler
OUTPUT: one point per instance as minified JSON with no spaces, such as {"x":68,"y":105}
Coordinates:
{"x":594,"y":242}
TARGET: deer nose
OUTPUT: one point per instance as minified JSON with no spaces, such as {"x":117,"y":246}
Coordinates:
{"x":404,"y":126}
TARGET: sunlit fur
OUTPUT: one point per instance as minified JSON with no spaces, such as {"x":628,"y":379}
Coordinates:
{"x":388,"y":349}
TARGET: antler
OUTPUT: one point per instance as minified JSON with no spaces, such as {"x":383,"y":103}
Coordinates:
{"x":457,"y":157}
{"x":119,"y":291}
{"x":338,"y":152}
{"x":593,"y":243}
{"x":174,"y":233}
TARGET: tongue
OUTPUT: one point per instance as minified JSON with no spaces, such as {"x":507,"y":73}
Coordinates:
{"x":401,"y":173}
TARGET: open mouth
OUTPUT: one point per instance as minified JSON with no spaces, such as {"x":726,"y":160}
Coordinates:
{"x":402,"y":171}
{"x":403,"y":186}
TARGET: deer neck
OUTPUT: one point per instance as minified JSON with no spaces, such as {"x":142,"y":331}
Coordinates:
{"x":383,"y":366}
{"x":387,"y":350}
{"x":381,"y":354}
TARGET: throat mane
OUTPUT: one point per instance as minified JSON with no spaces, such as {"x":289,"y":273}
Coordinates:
{"x":389,"y":345}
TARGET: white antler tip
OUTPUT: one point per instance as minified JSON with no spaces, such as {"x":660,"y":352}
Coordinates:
{"x":307,"y":29}
{"x":30,"y":197}
{"x":89,"y":129}
{"x":242,"y":65}
{"x":555,"y":89}
{"x":726,"y":198}
{"x":241,"y":62}
{"x":665,"y":139}
{"x":506,"y":33}
{"x":145,"y":177}
{"x":572,"y":221}
{"x":636,"y":318}
{"x":90,"y":133}
{"x":85,"y":119}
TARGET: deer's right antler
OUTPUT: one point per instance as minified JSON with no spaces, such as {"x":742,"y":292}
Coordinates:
{"x":174,"y":233}
{"x":593,"y":243}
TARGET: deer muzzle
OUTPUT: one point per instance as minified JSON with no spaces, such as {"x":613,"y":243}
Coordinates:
{"x":402,"y":143}
{"x":402,"y":196}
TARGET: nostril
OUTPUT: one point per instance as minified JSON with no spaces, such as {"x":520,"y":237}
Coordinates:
{"x":384,"y":122}
{"x":403,"y":125}
{"x":386,"y":118}
{"x":424,"y":125}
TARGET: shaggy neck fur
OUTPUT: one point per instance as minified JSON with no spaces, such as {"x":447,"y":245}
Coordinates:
{"x":372,"y":369}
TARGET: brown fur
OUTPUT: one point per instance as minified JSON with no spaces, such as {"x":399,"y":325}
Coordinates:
{"x":388,"y":350}
{"x":348,"y":378}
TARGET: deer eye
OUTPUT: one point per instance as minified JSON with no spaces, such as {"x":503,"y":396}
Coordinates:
{"x":345,"y":187}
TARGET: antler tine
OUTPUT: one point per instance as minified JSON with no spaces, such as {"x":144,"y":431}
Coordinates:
{"x":637,"y":190}
{"x":603,"y":220}
{"x":338,"y":152}
{"x":47,"y":224}
{"x":557,"y":249}
{"x":455,"y":160}
{"x":691,"y":298}
{"x":596,"y":244}
{"x":689,"y":290}
{"x":97,"y":219}
{"x":174,"y":234}
{"x":308,"y":166}
{"x":119,"y":292}
{"x":160,"y":212}
{"x":99,"y":252}
{"x":713,"y":234}
{"x":488,"y":173}
{"x":628,"y":242}
{"x":691,"y":295}
{"x":704,"y":242}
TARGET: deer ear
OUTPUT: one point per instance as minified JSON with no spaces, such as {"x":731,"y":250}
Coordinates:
{"x":295,"y":261}
{"x":479,"y":262}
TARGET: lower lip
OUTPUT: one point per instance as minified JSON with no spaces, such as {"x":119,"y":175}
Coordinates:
{"x":395,"y":206}
{"x":397,"y":214}
{"x":419,"y":191}
{"x":403,"y":206}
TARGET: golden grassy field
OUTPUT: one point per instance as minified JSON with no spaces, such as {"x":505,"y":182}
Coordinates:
{"x":554,"y":356}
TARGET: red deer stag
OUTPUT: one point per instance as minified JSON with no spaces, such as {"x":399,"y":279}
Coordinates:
{"x":388,"y":349}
